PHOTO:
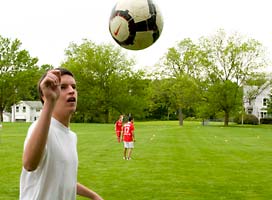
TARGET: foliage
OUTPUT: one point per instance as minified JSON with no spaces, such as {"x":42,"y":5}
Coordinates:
{"x":18,"y":73}
{"x":182,"y":71}
{"x":107,"y":86}
{"x":159,"y":104}
{"x":231,"y":62}
{"x":247,"y":119}
{"x":194,"y":79}
{"x":215,"y":69}
{"x":170,"y":96}
{"x":225,"y":96}
{"x":182,"y":59}
{"x":184,"y":94}
{"x":232,"y":58}
{"x":266,"y":121}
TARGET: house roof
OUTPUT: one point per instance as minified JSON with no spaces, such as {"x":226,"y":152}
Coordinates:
{"x":34,"y":104}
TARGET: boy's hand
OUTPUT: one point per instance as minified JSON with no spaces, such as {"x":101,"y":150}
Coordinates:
{"x":50,"y":86}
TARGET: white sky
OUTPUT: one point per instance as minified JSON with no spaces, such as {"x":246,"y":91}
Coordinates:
{"x":46,"y":27}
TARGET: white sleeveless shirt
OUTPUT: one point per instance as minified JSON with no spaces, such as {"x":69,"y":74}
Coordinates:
{"x":56,"y":176}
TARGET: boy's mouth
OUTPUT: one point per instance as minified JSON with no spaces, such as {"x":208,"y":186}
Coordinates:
{"x":71,"y":99}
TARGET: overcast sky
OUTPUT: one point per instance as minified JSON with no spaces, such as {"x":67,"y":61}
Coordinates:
{"x":46,"y":27}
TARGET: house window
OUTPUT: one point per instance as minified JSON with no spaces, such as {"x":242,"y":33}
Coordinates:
{"x":24,"y":109}
{"x":263,"y":114}
{"x":249,"y":110}
{"x":17,"y":108}
{"x":265,"y":102}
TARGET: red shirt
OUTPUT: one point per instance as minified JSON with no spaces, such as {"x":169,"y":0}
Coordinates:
{"x":118,"y":126}
{"x":128,"y":132}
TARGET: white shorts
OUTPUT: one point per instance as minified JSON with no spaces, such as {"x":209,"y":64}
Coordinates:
{"x":129,"y":145}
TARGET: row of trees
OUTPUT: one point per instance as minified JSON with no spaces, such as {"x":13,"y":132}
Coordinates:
{"x":202,"y":79}
{"x":216,"y":69}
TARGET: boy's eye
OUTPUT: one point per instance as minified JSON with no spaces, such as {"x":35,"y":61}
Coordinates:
{"x":64,"y":86}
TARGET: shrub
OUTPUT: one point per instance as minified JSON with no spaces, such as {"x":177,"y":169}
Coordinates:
{"x":266,"y":121}
{"x":247,"y":119}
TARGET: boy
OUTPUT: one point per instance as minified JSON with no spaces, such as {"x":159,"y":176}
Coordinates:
{"x":50,"y":158}
{"x":118,"y":128}
{"x":129,"y":138}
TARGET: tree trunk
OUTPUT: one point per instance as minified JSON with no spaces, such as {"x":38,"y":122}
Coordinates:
{"x":107,"y":116}
{"x":180,"y":116}
{"x":1,"y":115}
{"x":226,"y":120}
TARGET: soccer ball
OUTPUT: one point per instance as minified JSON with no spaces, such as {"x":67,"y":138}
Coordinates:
{"x":135,"y":24}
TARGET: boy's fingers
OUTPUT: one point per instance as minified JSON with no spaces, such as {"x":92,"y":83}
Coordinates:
{"x":55,"y":76}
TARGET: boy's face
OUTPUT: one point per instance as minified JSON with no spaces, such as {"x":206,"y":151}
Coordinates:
{"x":67,"y":101}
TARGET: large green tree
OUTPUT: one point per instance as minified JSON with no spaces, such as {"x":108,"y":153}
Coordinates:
{"x":107,"y":86}
{"x":182,"y":67}
{"x":17,"y":73}
{"x":184,"y":94}
{"x":230,"y":62}
{"x":185,"y":58}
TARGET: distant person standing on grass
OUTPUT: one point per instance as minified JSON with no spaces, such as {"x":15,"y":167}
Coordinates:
{"x":50,"y":159}
{"x":118,"y":128}
{"x":128,"y":138}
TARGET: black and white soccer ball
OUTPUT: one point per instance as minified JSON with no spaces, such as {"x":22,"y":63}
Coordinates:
{"x":135,"y":24}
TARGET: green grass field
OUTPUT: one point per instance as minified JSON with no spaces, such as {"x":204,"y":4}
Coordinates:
{"x":169,"y":162}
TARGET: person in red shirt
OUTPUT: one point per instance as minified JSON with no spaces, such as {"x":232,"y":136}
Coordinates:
{"x":118,"y":127}
{"x":128,"y":138}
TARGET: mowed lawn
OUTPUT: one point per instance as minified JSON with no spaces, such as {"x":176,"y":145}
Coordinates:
{"x":169,"y":162}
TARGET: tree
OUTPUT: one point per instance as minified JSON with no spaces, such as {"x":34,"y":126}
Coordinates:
{"x":225,"y":96}
{"x":183,"y":64}
{"x":17,"y":70}
{"x":159,"y":96}
{"x":184,"y":94}
{"x":230,"y":62}
{"x":106,"y":85}
{"x":182,"y":59}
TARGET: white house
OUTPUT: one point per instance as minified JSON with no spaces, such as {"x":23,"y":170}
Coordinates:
{"x":256,"y":100}
{"x":6,"y":117}
{"x":26,"y":111}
